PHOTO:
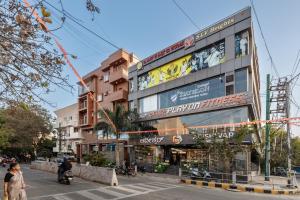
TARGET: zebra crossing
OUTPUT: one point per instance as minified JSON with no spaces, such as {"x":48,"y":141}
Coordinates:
{"x":111,"y":192}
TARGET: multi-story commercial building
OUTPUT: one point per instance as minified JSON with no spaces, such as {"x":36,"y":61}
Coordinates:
{"x":211,"y":77}
{"x":68,"y":134}
{"x":109,"y":86}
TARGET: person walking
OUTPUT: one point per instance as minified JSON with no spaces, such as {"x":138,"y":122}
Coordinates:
{"x":14,"y":186}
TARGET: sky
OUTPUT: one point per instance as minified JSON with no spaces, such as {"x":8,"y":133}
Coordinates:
{"x":147,"y":26}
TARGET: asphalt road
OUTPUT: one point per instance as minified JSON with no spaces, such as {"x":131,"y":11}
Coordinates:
{"x":43,"y":186}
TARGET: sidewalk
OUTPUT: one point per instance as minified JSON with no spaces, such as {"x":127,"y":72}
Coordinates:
{"x":276,"y":185}
{"x":161,"y":177}
{"x":257,"y":186}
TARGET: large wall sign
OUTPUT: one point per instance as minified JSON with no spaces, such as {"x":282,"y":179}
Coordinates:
{"x":186,"y":138}
{"x":213,"y":29}
{"x":200,"y":106}
{"x":189,"y":41}
{"x":199,"y":91}
{"x":208,"y":57}
{"x":164,"y":52}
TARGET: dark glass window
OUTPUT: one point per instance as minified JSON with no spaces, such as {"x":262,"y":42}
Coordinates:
{"x":199,"y":91}
{"x":234,"y":115}
{"x":229,"y":90}
{"x":229,"y":78}
{"x":241,"y":80}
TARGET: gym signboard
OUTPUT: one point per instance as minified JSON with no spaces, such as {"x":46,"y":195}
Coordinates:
{"x":239,"y":99}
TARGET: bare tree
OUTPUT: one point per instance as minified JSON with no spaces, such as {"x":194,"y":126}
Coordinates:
{"x":29,"y":63}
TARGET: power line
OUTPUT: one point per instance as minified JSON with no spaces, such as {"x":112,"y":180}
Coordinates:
{"x":264,"y":39}
{"x":84,"y":27}
{"x":183,"y":12}
{"x":295,"y":64}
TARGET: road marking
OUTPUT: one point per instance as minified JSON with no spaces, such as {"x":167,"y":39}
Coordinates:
{"x":61,"y":197}
{"x":90,"y":195}
{"x":148,"y":186}
{"x":115,"y":192}
{"x":140,"y":187}
{"x":127,"y":189}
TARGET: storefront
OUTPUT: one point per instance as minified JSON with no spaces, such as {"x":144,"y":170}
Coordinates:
{"x":209,"y":78}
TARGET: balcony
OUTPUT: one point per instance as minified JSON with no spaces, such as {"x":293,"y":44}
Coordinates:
{"x":83,"y":105}
{"x":116,"y":58}
{"x":118,"y":76}
{"x":120,"y":95}
{"x":83,"y":121}
{"x":83,"y":90}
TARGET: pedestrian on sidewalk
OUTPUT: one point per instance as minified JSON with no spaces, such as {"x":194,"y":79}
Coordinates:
{"x":14,"y":186}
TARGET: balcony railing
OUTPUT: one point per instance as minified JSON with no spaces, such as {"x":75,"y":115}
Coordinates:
{"x":120,"y":75}
{"x":83,"y":105}
{"x":83,"y":121}
{"x":120,"y":95}
{"x":82,"y":90}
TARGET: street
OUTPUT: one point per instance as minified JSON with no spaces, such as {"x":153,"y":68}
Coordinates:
{"x":43,"y":186}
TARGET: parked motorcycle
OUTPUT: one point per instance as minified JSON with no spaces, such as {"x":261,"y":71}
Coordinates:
{"x":195,"y":173}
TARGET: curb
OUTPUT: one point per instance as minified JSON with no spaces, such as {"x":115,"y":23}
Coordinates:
{"x":243,"y":188}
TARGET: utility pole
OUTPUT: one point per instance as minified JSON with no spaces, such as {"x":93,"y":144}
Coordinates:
{"x":267,"y":139}
{"x":288,"y":129}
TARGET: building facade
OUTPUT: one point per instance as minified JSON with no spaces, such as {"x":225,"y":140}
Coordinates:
{"x":210,"y":77}
{"x":109,"y":86}
{"x":68,"y":133}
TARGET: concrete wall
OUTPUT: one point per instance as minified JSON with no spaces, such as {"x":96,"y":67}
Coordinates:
{"x":98,"y":174}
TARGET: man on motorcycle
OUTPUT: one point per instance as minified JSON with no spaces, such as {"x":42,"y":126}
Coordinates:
{"x":65,"y":166}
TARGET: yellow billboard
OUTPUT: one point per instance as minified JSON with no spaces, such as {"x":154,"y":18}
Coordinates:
{"x":185,"y":65}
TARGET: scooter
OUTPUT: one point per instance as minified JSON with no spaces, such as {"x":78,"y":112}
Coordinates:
{"x":66,"y":178}
{"x":196,"y":174}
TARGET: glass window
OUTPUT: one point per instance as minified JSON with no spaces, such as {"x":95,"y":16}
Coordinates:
{"x":106,"y":77}
{"x":229,"y":90}
{"x":234,"y":115}
{"x":148,"y":104}
{"x":131,"y":86}
{"x":202,"y":90}
{"x":229,"y":78}
{"x":131,"y":105}
{"x":242,"y":44}
{"x":241,"y":79}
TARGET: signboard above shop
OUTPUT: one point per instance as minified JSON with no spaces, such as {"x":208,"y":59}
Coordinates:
{"x":239,"y":99}
{"x":185,"y":139}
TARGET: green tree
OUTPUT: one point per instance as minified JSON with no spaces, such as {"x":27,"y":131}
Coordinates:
{"x":122,"y":120}
{"x":29,"y":124}
{"x":296,"y":151}
{"x":222,"y":148}
{"x":45,"y":147}
{"x":5,"y":133}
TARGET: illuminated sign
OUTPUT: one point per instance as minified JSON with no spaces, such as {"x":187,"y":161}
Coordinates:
{"x":200,"y":106}
{"x":177,"y":139}
{"x":185,"y":139}
{"x":164,"y":52}
{"x":154,"y":140}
